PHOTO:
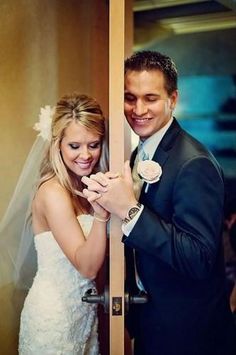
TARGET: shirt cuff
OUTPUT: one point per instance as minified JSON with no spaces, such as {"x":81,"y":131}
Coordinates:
{"x":127,"y":227}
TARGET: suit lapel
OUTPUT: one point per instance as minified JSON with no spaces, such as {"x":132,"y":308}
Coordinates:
{"x":163,"y":150}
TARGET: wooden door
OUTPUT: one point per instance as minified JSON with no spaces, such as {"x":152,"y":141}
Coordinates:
{"x":120,"y":46}
{"x":116,"y":151}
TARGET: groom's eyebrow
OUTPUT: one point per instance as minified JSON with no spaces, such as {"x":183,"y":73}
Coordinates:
{"x":153,"y":95}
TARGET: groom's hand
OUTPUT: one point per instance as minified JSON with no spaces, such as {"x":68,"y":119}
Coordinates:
{"x":115,"y":194}
{"x":96,"y":185}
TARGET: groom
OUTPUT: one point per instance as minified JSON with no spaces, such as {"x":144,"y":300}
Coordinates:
{"x":172,"y":232}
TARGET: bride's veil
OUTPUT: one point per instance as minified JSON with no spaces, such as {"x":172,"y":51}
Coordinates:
{"x":18,"y":258}
{"x":17,"y":253}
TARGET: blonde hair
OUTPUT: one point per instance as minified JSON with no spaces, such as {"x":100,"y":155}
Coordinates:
{"x":80,"y":109}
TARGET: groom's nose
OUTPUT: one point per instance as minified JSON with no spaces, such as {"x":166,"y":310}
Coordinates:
{"x":140,"y":108}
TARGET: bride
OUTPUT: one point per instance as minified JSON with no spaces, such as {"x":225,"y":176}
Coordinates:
{"x":69,"y":232}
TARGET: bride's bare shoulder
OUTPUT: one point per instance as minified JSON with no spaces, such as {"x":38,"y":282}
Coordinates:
{"x":51,"y":191}
{"x":51,"y":199}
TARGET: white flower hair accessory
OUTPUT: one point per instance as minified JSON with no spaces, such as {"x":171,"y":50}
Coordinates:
{"x":43,"y":126}
{"x":149,"y":170}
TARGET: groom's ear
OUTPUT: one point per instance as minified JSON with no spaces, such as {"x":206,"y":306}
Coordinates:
{"x":173,"y":99}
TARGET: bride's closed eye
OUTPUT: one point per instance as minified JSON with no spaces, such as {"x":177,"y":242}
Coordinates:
{"x":94,"y":145}
{"x":74,"y":146}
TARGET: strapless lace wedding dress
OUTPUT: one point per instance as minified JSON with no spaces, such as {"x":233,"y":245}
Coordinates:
{"x":54,"y":320}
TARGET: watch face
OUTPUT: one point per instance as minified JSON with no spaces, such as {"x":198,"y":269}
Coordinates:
{"x":133,"y":211}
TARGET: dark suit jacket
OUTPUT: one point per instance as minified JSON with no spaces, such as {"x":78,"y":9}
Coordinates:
{"x":179,"y":258}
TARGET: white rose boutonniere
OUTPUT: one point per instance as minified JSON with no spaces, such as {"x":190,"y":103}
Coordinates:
{"x":149,"y":170}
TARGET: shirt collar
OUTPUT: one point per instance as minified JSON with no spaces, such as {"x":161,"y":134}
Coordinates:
{"x":150,"y":145}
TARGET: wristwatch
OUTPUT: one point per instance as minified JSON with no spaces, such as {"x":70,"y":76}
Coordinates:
{"x":132,"y":213}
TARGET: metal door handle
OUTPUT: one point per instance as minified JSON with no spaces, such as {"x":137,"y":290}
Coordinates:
{"x":92,"y":297}
{"x":140,"y":298}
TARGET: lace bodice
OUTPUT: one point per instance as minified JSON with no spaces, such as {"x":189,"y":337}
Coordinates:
{"x":54,"y":320}
{"x":51,"y":257}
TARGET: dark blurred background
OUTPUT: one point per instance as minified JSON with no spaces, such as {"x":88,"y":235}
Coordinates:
{"x":200,"y":36}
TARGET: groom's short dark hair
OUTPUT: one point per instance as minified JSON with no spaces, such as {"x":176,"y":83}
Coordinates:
{"x":152,"y":60}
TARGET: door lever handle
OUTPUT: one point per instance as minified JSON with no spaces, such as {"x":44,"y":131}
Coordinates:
{"x":140,"y":298}
{"x":92,"y":297}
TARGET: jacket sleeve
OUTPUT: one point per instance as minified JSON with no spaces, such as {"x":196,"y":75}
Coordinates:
{"x":189,"y":240}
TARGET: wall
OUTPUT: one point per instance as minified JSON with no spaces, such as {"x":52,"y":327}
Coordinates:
{"x":47,"y":48}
